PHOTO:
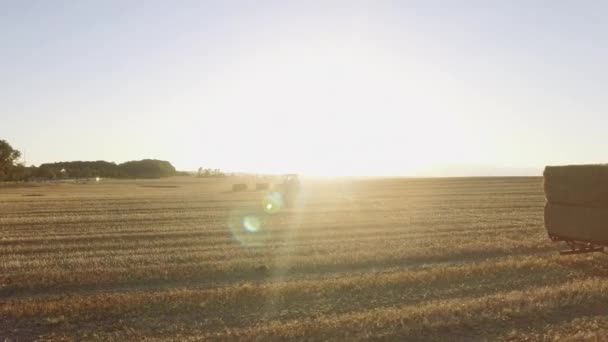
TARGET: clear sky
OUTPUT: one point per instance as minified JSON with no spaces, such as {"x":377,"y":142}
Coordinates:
{"x":318,"y":87}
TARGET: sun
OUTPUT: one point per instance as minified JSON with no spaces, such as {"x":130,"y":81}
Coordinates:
{"x":331,"y":108}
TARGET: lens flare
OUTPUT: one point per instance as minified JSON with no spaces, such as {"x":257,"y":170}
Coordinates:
{"x":252,"y":223}
{"x":273,"y":203}
{"x":248,"y":226}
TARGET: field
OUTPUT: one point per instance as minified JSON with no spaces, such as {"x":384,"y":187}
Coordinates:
{"x":186,"y":259}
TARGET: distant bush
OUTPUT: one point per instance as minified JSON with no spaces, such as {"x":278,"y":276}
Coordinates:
{"x":203,"y":173}
{"x":78,"y":169}
{"x":45,"y":172}
{"x":147,"y":168}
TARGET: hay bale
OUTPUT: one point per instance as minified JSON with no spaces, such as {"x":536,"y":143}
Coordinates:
{"x":262,"y":186}
{"x":578,"y":223}
{"x":580,"y":185}
{"x":239,"y":187}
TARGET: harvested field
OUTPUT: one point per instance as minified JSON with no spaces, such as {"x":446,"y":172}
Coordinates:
{"x":391,"y":259}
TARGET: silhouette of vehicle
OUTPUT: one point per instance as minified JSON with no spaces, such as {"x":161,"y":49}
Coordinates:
{"x":289,"y":189}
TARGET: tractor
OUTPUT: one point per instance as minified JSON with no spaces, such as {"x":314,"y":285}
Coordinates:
{"x":289,"y":189}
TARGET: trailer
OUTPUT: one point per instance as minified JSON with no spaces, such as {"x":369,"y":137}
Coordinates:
{"x":577,"y":246}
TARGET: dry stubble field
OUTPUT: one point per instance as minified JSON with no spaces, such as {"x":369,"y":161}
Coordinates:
{"x":384,"y":259}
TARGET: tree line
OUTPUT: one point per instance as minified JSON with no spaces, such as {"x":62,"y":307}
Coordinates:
{"x":147,"y":168}
{"x":13,"y":170}
{"x":206,"y":172}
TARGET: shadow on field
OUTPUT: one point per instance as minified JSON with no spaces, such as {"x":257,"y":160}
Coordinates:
{"x":212,"y":279}
{"x":596,"y":265}
{"x":252,"y":308}
{"x":494,"y":330}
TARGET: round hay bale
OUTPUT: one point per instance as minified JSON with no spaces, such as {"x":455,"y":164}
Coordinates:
{"x":239,"y":187}
{"x":262,"y":186}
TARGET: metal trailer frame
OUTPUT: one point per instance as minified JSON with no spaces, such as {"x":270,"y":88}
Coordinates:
{"x":578,"y":246}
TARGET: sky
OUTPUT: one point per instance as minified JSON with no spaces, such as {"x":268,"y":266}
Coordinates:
{"x":390,"y":88}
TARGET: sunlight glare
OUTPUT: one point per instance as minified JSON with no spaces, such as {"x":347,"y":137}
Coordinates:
{"x":337,"y":108}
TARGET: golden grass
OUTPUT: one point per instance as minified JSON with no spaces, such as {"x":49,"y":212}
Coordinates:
{"x":390,"y":259}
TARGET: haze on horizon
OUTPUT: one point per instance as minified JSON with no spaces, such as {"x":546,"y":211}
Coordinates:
{"x":323,"y":88}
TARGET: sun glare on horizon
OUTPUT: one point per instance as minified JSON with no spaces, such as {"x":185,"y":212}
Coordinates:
{"x":337,"y":107}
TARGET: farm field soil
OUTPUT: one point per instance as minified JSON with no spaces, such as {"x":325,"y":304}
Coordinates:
{"x":186,"y":259}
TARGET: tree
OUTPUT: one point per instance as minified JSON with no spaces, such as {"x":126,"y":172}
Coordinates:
{"x":147,"y":168}
{"x":8,"y":155}
{"x":9,"y":167}
{"x":204,"y":173}
{"x":45,"y":172}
